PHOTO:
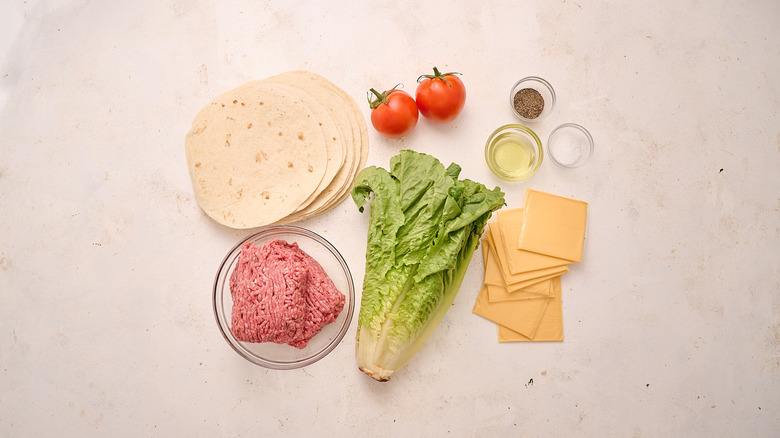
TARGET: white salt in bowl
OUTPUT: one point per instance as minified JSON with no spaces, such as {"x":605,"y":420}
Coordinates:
{"x":570,"y":145}
{"x":283,"y":356}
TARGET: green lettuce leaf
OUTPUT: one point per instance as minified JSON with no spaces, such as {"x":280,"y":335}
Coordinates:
{"x":424,"y":226}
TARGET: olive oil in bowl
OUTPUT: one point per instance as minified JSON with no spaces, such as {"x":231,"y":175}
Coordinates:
{"x":513,"y":152}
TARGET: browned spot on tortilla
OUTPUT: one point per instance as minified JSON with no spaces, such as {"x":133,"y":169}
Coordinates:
{"x":230,"y":181}
{"x":269,"y":123}
{"x":320,"y":123}
{"x":334,"y":138}
{"x":242,"y":104}
{"x":264,"y":155}
{"x":280,"y":133}
{"x":289,"y":164}
{"x":239,"y":193}
{"x":310,"y":169}
{"x":229,"y":118}
{"x":265,"y":195}
{"x":249,"y":126}
{"x":300,"y":136}
{"x":223,"y":105}
{"x":199,"y":130}
{"x":261,"y":103}
{"x":235,"y":101}
{"x":258,"y":158}
{"x":197,"y":165}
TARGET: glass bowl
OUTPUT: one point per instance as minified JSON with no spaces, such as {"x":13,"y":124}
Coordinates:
{"x":283,"y":356}
{"x":544,"y":90}
{"x":514,"y":152}
{"x":570,"y":145}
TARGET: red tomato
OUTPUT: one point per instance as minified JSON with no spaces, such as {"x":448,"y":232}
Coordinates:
{"x":440,"y":96}
{"x":393,"y":113}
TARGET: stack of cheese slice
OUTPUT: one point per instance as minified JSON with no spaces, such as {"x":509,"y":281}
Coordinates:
{"x":276,"y":150}
{"x":526,"y":251}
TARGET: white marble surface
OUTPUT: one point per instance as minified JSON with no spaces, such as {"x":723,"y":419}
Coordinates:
{"x":672,"y":322}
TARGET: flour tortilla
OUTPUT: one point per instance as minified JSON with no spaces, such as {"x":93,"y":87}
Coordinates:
{"x":255,"y":154}
{"x":361,"y":149}
{"x":315,"y":86}
{"x":348,"y":117}
{"x":334,"y":150}
{"x":334,"y":141}
{"x":359,"y":125}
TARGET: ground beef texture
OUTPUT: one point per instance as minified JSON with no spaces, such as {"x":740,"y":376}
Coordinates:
{"x":281,"y":295}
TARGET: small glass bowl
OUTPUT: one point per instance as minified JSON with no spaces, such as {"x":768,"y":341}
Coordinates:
{"x":570,"y":145}
{"x":514,"y":152}
{"x":543,"y":87}
{"x":283,"y":356}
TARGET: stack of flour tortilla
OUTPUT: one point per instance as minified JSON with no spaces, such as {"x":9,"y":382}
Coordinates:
{"x":276,"y":150}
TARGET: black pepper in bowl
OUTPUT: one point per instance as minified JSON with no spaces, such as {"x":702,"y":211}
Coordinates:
{"x":528,"y":103}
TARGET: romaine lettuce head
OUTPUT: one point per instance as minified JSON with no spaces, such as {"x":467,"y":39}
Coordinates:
{"x":424,"y":226}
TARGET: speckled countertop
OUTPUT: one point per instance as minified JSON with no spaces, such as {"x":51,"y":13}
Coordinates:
{"x":672,"y":321}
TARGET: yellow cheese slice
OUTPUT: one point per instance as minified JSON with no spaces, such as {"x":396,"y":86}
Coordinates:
{"x":500,"y":291}
{"x":543,"y":274}
{"x":522,"y":316}
{"x":518,"y":261}
{"x":553,"y":225}
{"x":503,"y":293}
{"x":507,"y":335}
{"x":497,"y":294}
{"x":492,"y":271}
{"x":550,"y":328}
{"x":518,"y":281}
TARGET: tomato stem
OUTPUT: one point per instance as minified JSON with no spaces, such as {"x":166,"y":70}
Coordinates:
{"x":380,"y":97}
{"x":437,"y":75}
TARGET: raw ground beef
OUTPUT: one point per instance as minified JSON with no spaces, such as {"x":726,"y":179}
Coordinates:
{"x":281,"y":294}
